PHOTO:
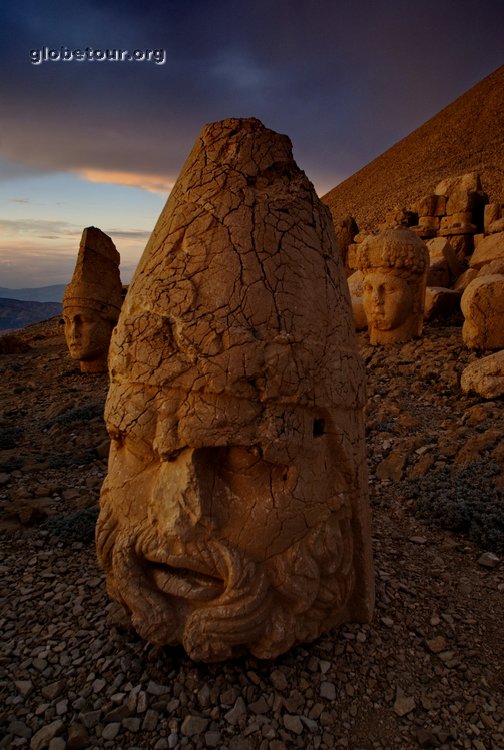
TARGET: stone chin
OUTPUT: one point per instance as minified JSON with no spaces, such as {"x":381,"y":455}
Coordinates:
{"x":217,"y":602}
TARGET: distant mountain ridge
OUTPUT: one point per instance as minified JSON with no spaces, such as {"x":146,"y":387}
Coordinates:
{"x":15,"y":313}
{"x":466,"y":136}
{"x":52,"y":293}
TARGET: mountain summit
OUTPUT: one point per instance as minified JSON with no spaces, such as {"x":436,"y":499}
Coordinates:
{"x":465,"y":136}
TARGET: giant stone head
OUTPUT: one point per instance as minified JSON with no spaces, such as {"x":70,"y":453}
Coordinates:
{"x":395,"y":263}
{"x":234,"y":516}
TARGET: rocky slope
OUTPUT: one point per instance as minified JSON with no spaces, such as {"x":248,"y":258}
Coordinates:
{"x":428,"y":671}
{"x":466,"y":136}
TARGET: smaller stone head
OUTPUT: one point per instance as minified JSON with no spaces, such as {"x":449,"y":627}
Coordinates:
{"x":92,"y":301}
{"x":395,"y":264}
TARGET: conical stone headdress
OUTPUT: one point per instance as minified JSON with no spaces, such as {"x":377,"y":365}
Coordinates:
{"x":239,"y":305}
{"x":96,"y":282}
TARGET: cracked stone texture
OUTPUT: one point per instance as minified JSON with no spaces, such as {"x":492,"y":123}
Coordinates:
{"x":234,"y":516}
{"x":92,"y":300}
{"x":490,"y":248}
{"x":395,"y":264}
{"x":482,"y":304}
{"x":485,"y":376}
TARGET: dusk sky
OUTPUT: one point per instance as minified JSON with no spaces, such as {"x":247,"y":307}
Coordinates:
{"x":97,"y":142}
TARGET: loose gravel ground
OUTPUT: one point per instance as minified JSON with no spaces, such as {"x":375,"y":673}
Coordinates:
{"x":428,"y":672}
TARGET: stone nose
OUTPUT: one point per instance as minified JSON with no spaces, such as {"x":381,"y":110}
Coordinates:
{"x":73,"y":329}
{"x":182,"y":497}
{"x":377,"y":296}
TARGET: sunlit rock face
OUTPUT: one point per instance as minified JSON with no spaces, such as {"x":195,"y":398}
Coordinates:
{"x":395,"y":264}
{"x":482,"y":305}
{"x":92,"y":301}
{"x":234,"y":516}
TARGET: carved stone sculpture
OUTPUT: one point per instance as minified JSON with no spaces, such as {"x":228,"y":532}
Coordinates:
{"x":234,"y":516}
{"x":92,"y":301}
{"x":395,"y":264}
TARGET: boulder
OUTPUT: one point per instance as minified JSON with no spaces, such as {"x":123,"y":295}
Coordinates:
{"x":485,"y":376}
{"x":441,"y":302}
{"x":483,"y":308}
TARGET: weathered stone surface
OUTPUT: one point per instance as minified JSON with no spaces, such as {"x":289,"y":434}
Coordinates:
{"x":496,"y":226}
{"x":439,"y":273}
{"x":493,"y":213}
{"x":237,"y":462}
{"x":395,"y":265}
{"x":490,"y":248}
{"x":404,"y":704}
{"x":356,"y":287}
{"x":193,"y":725}
{"x":483,"y":307}
{"x":488,"y":560}
{"x":489,"y":269}
{"x":459,"y":223}
{"x":441,"y":249}
{"x":465,"y":279}
{"x":441,"y":302}
{"x":485,"y":376}
{"x":78,"y":737}
{"x":42,"y":738}
{"x":426,"y":206}
{"x":465,"y":202}
{"x":92,"y":300}
{"x":429,"y":222}
{"x":469,"y":181}
{"x":345,"y":230}
{"x":463,"y":244}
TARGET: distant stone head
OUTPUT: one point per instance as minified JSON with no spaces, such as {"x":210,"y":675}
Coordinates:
{"x":92,"y":301}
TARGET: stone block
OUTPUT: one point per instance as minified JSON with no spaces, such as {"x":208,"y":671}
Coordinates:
{"x":441,"y":302}
{"x":483,"y":308}
{"x":439,"y":273}
{"x":465,"y":279}
{"x":457,"y":223}
{"x":441,"y":248}
{"x":429,"y":222}
{"x":490,"y":248}
{"x":493,"y":211}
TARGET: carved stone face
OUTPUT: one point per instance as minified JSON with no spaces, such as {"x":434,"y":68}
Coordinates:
{"x":228,"y":550}
{"x":388,"y":300}
{"x":234,"y":514}
{"x":87,"y":333}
